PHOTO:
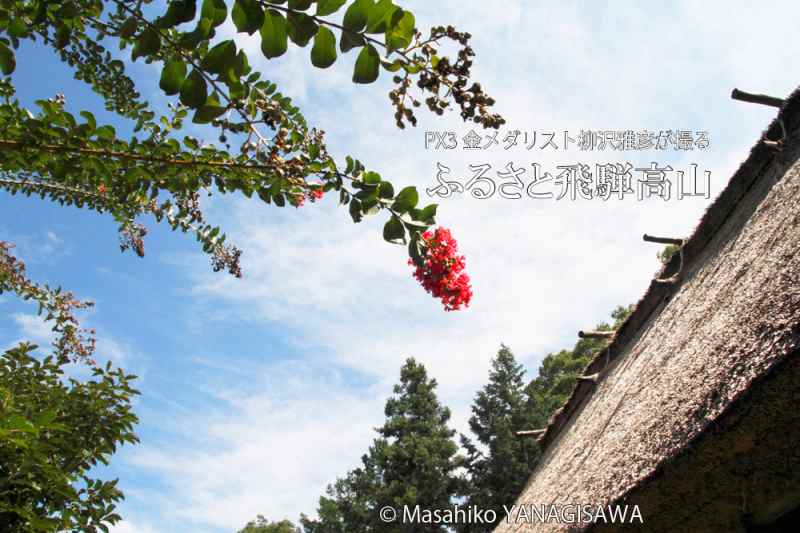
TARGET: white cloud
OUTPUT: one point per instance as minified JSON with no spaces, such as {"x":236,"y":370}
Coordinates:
{"x":541,"y":271}
{"x":46,"y":247}
{"x":34,"y":328}
{"x":110,"y":349}
{"x":268,"y":448}
{"x":127,"y":526}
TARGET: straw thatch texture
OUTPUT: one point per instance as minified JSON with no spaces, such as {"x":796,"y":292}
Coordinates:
{"x":690,"y":351}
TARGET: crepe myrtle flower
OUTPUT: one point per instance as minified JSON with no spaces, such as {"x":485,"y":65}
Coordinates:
{"x":314,"y":193}
{"x":442,"y":270}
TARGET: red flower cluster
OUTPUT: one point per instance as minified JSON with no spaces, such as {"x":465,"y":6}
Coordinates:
{"x":443,"y":274}
{"x":312,"y":194}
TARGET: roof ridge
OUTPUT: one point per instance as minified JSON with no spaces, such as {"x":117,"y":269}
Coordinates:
{"x":670,"y":276}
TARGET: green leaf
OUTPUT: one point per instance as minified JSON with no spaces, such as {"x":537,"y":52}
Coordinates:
{"x":382,"y":15}
{"x":274,"y":34}
{"x":194,"y":91}
{"x":178,"y":12}
{"x":128,"y":28}
{"x":412,"y":68}
{"x":392,"y":66}
{"x":355,"y":210}
{"x":90,"y":120}
{"x":416,"y":249}
{"x":7,"y":60}
{"x":400,"y":35}
{"x":428,"y":214}
{"x":211,"y":110}
{"x":301,"y":28}
{"x":63,"y":34}
{"x":19,"y":423}
{"x":220,"y":58}
{"x":248,"y":17}
{"x":369,"y":204}
{"x":201,"y":32}
{"x":215,"y":11}
{"x":172,"y":77}
{"x":371,"y":178}
{"x":385,"y":190}
{"x":323,"y":54}
{"x":17,"y":28}
{"x":412,"y":224}
{"x":300,"y":5}
{"x":406,"y":199}
{"x":350,"y":40}
{"x":355,"y":18}
{"x":148,"y":43}
{"x":106,"y":133}
{"x":367,"y":65}
{"x":241,"y":66}
{"x":327,"y":7}
{"x":394,"y":230}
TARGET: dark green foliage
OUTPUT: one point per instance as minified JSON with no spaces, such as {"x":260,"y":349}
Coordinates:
{"x":323,"y":54}
{"x":666,"y":254}
{"x":559,"y":371}
{"x":412,"y":462}
{"x":416,"y":454}
{"x":278,"y":153}
{"x":349,"y":503}
{"x":71,"y":159}
{"x":53,"y":430}
{"x":262,"y":525}
{"x":367,"y":65}
{"x":500,"y":464}
{"x":247,"y":15}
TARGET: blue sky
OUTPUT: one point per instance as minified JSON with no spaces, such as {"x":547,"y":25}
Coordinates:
{"x":257,"y":393}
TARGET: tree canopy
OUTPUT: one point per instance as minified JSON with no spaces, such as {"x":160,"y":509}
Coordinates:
{"x":55,"y":426}
{"x":412,"y":463}
{"x":262,"y":525}
{"x":499,"y":464}
{"x":264,"y":147}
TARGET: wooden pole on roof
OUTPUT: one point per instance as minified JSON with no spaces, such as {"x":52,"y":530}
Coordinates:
{"x":762,"y":99}
{"x":530,"y":433}
{"x":591,"y":378}
{"x":662,"y":240}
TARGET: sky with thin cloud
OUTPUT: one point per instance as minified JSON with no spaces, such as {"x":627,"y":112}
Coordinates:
{"x":257,"y":393}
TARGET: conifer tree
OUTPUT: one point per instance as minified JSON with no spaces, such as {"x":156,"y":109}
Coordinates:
{"x":348,"y":504}
{"x":500,"y":467}
{"x":498,"y":463}
{"x":412,"y":463}
{"x":416,"y":453}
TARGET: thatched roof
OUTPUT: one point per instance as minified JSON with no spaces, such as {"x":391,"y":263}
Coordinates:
{"x":689,"y":356}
